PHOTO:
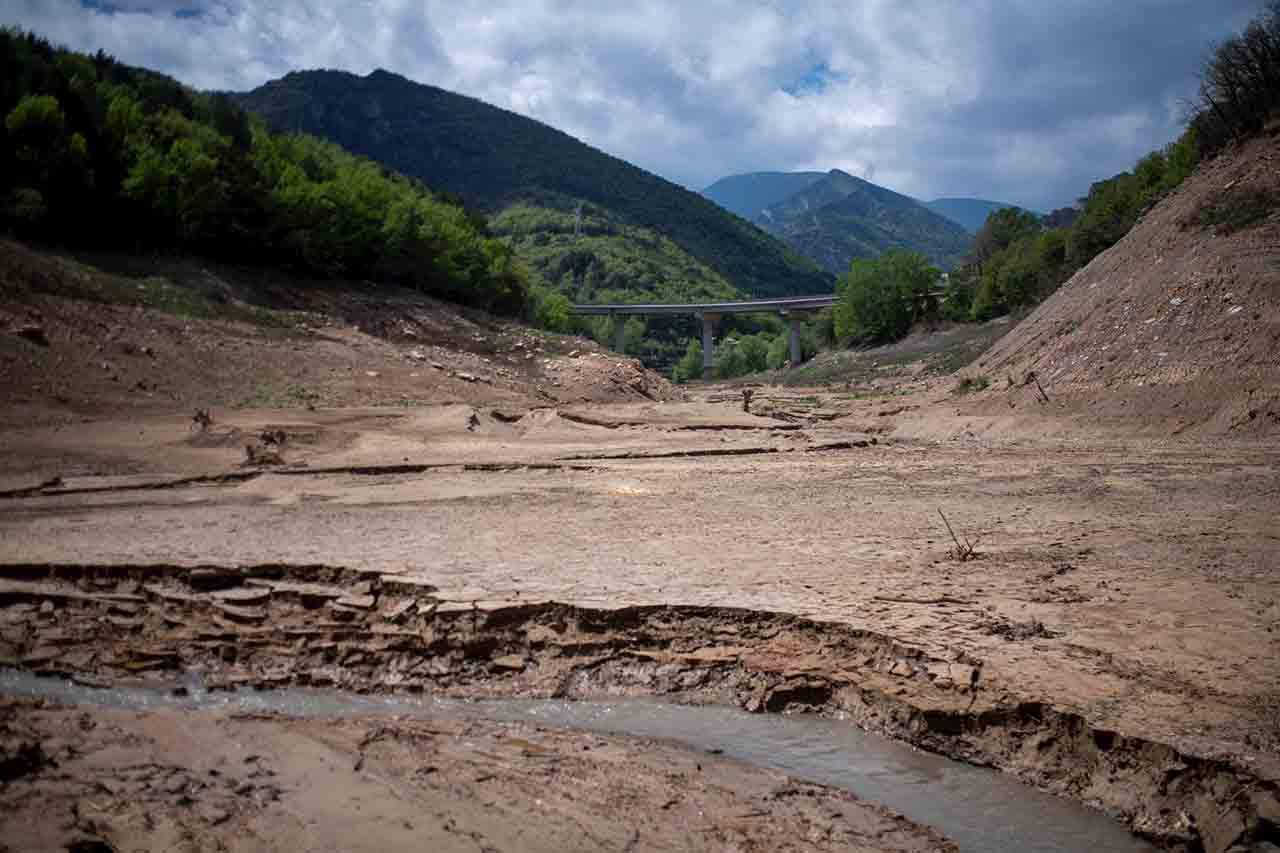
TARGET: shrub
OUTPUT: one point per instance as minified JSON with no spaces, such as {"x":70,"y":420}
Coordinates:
{"x":690,"y":364}
{"x":879,"y":299}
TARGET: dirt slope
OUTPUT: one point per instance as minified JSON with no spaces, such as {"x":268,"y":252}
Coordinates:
{"x":1177,"y":326}
{"x":93,"y":335}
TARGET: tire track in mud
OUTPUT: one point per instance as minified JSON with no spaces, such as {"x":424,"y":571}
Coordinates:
{"x":274,"y":625}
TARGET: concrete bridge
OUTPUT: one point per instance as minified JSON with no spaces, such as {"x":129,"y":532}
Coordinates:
{"x":793,"y":308}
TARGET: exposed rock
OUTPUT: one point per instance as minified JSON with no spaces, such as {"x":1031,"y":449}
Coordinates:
{"x":244,"y":595}
{"x":1267,"y":806}
{"x":1218,"y":829}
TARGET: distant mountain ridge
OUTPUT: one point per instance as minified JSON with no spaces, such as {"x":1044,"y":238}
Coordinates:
{"x":493,"y":158}
{"x":747,"y":195}
{"x":970,"y":213}
{"x":836,"y":217}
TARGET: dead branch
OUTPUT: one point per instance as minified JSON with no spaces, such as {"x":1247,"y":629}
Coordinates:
{"x":966,"y":550}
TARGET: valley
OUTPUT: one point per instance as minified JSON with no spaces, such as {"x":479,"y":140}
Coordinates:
{"x":325,"y":524}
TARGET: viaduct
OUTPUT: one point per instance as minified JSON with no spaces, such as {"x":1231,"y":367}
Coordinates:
{"x":793,"y":308}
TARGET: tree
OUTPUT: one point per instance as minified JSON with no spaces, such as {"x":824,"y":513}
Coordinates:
{"x":37,"y":130}
{"x":879,"y":299}
{"x":1002,"y":227}
{"x":690,"y":365}
{"x":779,"y":353}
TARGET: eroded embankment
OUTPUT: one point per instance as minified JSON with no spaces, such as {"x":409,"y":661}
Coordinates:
{"x":277,"y":625}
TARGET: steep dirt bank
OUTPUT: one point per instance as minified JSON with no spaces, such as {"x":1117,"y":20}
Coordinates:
{"x":1176,"y":328}
{"x":137,"y":334}
{"x":278,"y":625}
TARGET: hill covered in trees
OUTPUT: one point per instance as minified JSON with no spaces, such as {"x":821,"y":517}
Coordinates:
{"x":96,"y":154}
{"x":833,"y":217}
{"x":495,"y":160}
{"x":748,"y":195}
{"x":840,"y":218}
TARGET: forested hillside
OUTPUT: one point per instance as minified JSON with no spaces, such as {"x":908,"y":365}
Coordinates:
{"x":840,"y":218}
{"x":494,"y":159}
{"x":97,"y":154}
{"x":748,"y":195}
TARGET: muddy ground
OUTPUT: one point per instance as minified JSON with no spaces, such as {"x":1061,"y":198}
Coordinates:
{"x":1114,"y":637}
{"x":169,"y":781}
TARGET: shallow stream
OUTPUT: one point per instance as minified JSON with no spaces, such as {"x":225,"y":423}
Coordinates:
{"x":981,"y":810}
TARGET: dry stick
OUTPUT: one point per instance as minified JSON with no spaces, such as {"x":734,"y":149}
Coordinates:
{"x":963,"y":551}
{"x":959,"y":548}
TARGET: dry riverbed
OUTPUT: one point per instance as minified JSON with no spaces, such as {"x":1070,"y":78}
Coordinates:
{"x":1114,"y":640}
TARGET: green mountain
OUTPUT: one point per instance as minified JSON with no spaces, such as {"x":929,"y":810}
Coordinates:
{"x":95,"y":154}
{"x":496,"y":160}
{"x":970,"y":213}
{"x":747,"y":195}
{"x":840,"y":217}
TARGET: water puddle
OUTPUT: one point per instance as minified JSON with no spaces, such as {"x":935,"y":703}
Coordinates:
{"x":981,"y":810}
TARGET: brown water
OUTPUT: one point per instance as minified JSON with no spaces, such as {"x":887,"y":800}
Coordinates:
{"x":981,"y":810}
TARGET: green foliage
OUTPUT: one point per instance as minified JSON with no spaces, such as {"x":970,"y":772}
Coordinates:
{"x":1240,"y":84}
{"x":1002,"y":228}
{"x":495,"y":159}
{"x":603,"y":259}
{"x":36,"y":125}
{"x":1017,"y":262}
{"x":779,"y":353}
{"x":730,"y":360}
{"x":841,"y":217}
{"x":25,"y":208}
{"x":588,"y":255}
{"x":880,"y":299}
{"x":550,"y":310}
{"x":690,"y":364}
{"x":104,"y":155}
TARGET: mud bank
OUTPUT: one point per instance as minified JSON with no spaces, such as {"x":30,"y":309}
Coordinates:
{"x":165,"y":780}
{"x":278,"y":625}
{"x":979,"y":810}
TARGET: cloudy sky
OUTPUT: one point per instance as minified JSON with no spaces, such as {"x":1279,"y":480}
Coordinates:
{"x":1026,"y":101}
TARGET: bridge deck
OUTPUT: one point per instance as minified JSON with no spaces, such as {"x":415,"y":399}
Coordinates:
{"x":790,"y":303}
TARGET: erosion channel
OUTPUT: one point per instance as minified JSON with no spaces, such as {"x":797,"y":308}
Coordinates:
{"x":981,"y":810}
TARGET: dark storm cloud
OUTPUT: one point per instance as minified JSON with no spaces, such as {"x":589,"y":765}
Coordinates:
{"x":1012,"y":99}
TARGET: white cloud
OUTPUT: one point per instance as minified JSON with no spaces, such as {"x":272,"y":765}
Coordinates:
{"x":1004,"y":98}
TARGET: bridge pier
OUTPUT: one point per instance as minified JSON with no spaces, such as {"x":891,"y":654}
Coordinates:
{"x":792,"y":307}
{"x":619,"y":334}
{"x":708,"y":341}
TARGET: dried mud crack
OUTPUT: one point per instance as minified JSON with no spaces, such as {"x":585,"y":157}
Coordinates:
{"x":278,"y":625}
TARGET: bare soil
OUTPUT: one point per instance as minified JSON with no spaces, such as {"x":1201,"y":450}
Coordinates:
{"x":1176,"y":328}
{"x":168,"y":781}
{"x":1116,"y":638}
